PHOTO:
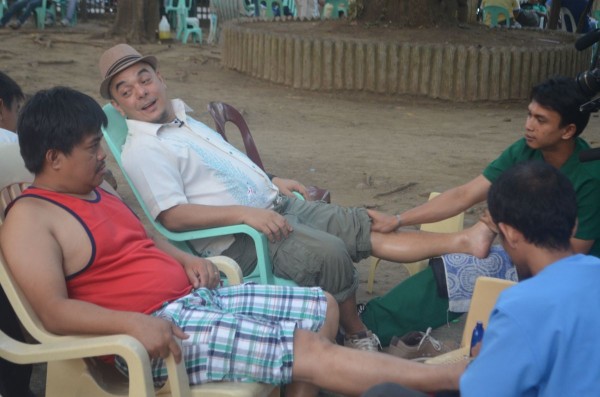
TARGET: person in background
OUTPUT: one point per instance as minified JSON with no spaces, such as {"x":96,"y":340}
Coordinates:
{"x":26,"y":6}
{"x":70,"y":14}
{"x":14,"y":378}
{"x":512,"y":6}
{"x":11,"y":99}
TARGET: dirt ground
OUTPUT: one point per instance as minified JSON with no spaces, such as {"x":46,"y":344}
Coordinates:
{"x":383,"y":152}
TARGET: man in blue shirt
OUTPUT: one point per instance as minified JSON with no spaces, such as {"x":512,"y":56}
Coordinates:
{"x":541,"y":337}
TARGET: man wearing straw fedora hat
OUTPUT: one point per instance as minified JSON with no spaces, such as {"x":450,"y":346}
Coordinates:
{"x":197,"y":180}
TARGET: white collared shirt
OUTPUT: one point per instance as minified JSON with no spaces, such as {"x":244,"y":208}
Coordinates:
{"x":172,"y":164}
{"x":7,"y":136}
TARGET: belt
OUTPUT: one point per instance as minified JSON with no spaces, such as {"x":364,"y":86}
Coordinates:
{"x":278,"y":200}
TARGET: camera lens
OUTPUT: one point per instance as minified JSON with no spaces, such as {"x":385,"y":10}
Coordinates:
{"x":589,"y":82}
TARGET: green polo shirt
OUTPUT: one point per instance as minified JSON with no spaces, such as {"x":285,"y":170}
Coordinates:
{"x":585,"y":178}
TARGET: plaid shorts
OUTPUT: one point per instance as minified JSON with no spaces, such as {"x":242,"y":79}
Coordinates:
{"x":242,"y":333}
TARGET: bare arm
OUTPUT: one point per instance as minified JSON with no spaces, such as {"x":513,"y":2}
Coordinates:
{"x":448,"y":204}
{"x":289,"y":186}
{"x":201,"y":272}
{"x":194,"y":216}
{"x":39,"y":273}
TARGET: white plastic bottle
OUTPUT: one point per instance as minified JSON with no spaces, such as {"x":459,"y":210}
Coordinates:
{"x":164,"y":29}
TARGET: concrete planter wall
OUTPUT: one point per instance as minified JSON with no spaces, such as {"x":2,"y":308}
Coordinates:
{"x":453,"y":72}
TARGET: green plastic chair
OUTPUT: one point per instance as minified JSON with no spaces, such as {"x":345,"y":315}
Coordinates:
{"x":115,"y":134}
{"x":3,"y":7}
{"x":41,"y":11}
{"x":64,"y":5}
{"x":339,"y":6}
{"x":494,"y":12}
{"x":171,"y":11}
{"x":291,"y":4}
{"x":268,"y":8}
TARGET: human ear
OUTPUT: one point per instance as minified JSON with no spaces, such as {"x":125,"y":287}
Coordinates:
{"x":118,"y":108}
{"x":510,"y":235}
{"x":53,"y":158}
{"x":569,"y":131}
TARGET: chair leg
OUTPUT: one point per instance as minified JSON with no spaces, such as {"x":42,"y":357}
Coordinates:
{"x":415,"y":267}
{"x":212,"y":33}
{"x":372,"y":270}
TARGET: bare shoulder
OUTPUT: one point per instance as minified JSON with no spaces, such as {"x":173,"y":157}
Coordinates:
{"x":29,"y":219}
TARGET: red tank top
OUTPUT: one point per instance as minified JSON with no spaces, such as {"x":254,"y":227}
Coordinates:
{"x":126,"y":271}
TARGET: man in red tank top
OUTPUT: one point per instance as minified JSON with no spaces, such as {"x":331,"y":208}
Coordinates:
{"x":87,"y":266}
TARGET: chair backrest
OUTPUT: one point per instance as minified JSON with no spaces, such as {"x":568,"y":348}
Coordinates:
{"x":486,"y":293}
{"x":223,"y":113}
{"x":115,"y":135}
{"x":494,"y":12}
{"x":8,"y":194}
{"x":12,"y":168}
{"x":567,"y":21}
{"x":450,"y":225}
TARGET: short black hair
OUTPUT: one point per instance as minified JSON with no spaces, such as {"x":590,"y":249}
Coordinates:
{"x":538,"y":200}
{"x":562,"y":95}
{"x":9,"y":90}
{"x":59,"y":119}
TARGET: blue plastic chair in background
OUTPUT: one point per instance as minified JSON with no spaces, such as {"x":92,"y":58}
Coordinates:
{"x":494,"y":12}
{"x":42,"y":11}
{"x":334,"y":9}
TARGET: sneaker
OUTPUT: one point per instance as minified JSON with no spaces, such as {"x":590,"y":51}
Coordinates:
{"x":15,"y":25}
{"x":65,"y":22}
{"x":418,"y":346}
{"x":365,"y":340}
{"x":360,"y":308}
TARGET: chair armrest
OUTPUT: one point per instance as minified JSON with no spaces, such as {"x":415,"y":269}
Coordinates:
{"x":229,"y":267}
{"x":73,"y":347}
{"x":263,"y":265}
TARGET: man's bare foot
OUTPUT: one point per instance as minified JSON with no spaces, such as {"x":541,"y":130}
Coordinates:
{"x":383,"y":223}
{"x":479,"y":239}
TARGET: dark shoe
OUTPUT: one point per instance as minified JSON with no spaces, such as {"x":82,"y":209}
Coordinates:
{"x":15,"y":25}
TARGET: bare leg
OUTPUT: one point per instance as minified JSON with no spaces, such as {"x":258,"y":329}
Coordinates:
{"x":350,"y":372}
{"x":327,"y":332}
{"x":415,"y":246}
{"x":349,"y":319}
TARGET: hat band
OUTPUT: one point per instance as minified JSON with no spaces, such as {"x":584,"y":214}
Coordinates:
{"x":117,"y":65}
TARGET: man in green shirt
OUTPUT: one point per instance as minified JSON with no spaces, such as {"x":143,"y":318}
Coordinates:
{"x":552,"y":130}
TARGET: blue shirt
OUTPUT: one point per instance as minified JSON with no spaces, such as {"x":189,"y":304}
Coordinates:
{"x":542,"y":337}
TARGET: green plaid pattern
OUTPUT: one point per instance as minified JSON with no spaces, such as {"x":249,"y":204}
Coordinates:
{"x":242,"y":333}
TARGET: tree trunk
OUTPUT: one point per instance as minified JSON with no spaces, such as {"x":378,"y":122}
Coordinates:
{"x":137,"y":20}
{"x":414,"y":12}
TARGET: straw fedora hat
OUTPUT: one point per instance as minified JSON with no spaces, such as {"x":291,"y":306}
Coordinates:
{"x":117,"y":59}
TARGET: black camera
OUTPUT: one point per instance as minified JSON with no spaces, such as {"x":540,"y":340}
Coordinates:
{"x":589,"y":82}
